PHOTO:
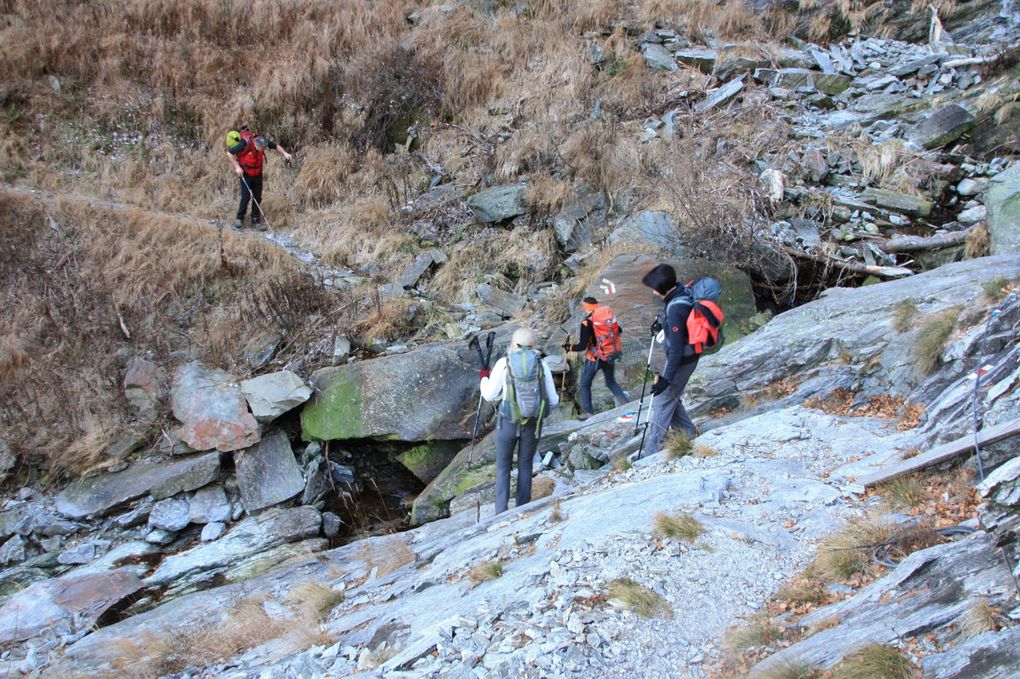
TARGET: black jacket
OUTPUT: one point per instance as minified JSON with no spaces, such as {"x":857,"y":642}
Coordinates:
{"x":674,"y":323}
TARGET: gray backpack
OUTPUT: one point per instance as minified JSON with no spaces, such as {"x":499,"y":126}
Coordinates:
{"x":525,"y":396}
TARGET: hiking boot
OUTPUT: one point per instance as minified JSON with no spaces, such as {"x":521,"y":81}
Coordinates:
{"x":621,"y":400}
{"x":238,"y":224}
{"x":258,"y":226}
{"x":584,"y":416}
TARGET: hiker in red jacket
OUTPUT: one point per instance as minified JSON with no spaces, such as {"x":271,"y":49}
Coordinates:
{"x":248,"y":156}
{"x":599,"y":339}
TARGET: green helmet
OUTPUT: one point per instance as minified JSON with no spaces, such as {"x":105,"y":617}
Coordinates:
{"x":233,"y":138}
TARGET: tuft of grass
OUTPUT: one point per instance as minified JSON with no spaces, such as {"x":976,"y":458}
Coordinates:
{"x":640,"y":599}
{"x":848,"y":553}
{"x":556,"y":514}
{"x":980,"y":617}
{"x":903,"y":491}
{"x":490,"y":570}
{"x":875,"y":661}
{"x":622,"y":462}
{"x":995,"y":288}
{"x":805,"y":589}
{"x":682,"y":526}
{"x":760,"y":630}
{"x":791,"y":671}
{"x":931,"y":341}
{"x":702,"y":450}
{"x":315,"y":599}
{"x":677,"y":444}
{"x":904,"y":312}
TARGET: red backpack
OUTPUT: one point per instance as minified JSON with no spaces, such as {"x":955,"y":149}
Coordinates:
{"x":608,"y":345}
{"x":704,"y":323}
{"x":250,"y":158}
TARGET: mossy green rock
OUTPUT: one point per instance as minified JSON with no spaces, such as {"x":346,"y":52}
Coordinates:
{"x":423,"y":395}
{"x":1003,"y":203}
{"x":428,"y":460}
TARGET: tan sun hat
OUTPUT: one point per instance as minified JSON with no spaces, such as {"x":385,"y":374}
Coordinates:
{"x":523,"y":337}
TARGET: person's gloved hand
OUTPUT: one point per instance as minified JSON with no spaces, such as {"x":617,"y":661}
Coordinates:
{"x":566,"y":346}
{"x":656,"y":326}
{"x":483,"y":373}
{"x":659,"y":385}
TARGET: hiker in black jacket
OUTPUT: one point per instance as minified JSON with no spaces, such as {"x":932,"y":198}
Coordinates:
{"x":668,"y":411}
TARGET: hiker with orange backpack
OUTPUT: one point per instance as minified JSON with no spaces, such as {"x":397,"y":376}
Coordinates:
{"x":599,"y":339}
{"x":247,"y":151}
{"x":690,"y":323}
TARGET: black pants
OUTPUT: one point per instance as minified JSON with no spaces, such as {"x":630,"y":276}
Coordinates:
{"x":256,"y":189}
{"x":510,"y":435}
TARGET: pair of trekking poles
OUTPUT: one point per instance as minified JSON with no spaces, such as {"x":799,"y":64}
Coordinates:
{"x":483,"y":359}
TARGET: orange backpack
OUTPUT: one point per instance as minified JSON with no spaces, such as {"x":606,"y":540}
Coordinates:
{"x":608,"y":346}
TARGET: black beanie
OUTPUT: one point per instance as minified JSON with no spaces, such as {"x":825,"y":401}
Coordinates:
{"x":662,"y":279}
{"x":590,"y":300}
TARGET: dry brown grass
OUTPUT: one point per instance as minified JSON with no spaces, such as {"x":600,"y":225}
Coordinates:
{"x":978,"y":243}
{"x":682,"y":526}
{"x":980,"y":617}
{"x":760,"y":630}
{"x":108,"y":279}
{"x":876,"y":661}
{"x":489,"y":570}
{"x":932,"y":338}
{"x":639,"y":599}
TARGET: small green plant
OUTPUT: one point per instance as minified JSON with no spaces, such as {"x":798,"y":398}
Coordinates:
{"x":677,"y":445}
{"x":622,"y":462}
{"x":760,"y":630}
{"x":903,"y":491}
{"x":980,"y":617}
{"x":490,"y":570}
{"x":903,"y":314}
{"x":637,"y":598}
{"x":994,"y":288}
{"x":932,"y":339}
{"x":682,"y":526}
{"x":875,"y":661}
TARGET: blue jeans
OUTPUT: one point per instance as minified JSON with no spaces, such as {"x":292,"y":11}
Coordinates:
{"x":588,"y":375}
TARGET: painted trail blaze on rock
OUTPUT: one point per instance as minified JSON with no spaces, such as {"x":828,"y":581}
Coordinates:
{"x":212,"y":410}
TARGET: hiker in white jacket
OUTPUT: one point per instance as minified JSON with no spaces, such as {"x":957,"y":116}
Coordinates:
{"x":523,"y":384}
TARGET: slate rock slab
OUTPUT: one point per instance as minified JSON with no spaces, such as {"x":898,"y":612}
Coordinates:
{"x":64,"y":605}
{"x":273,"y":527}
{"x":507,"y":303}
{"x":144,"y":387}
{"x":498,"y":204}
{"x":1002,"y":201}
{"x":941,"y":127}
{"x":267,"y":473}
{"x":98,"y":495}
{"x":170,"y":515}
{"x":208,"y":505}
{"x":212,"y":410}
{"x":270,"y":396}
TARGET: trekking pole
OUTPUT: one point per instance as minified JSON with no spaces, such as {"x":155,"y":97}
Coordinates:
{"x":484,"y":360}
{"x":648,"y":369}
{"x":566,"y":364}
{"x":261,"y":212}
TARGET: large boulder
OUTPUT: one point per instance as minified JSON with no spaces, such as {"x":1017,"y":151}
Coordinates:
{"x":267,"y":473}
{"x":1003,"y":203}
{"x":425,"y":394}
{"x":212,"y":410}
{"x":499,"y":203}
{"x":98,"y":495}
{"x":274,"y":394}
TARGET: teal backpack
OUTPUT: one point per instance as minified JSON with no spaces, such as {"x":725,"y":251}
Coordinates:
{"x":525,"y":396}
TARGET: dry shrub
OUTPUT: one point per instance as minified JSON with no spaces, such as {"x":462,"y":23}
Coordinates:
{"x":702,"y":450}
{"x":546,"y":195}
{"x":904,"y":491}
{"x":677,"y":444}
{"x":324,"y":172}
{"x":598,"y":154}
{"x":390,"y":319}
{"x":621,"y":462}
{"x":805,"y":590}
{"x":978,"y":243}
